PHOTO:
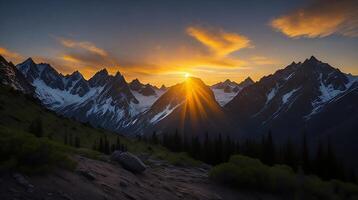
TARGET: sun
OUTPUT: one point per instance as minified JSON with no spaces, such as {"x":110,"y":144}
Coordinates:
{"x":186,"y":75}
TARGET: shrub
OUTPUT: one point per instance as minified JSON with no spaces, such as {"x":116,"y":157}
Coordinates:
{"x":248,"y":173}
{"x":27,"y":153}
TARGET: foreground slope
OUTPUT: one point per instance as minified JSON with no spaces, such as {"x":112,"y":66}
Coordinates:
{"x":97,"y":178}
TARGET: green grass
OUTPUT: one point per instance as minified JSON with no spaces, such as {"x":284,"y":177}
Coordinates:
{"x":243,"y":172}
{"x":18,"y":112}
{"x":24,"y":152}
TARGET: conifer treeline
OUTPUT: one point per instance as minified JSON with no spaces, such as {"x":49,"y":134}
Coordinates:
{"x":323,"y":162}
{"x":105,"y":146}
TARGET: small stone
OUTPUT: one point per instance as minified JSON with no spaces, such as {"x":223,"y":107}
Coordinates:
{"x":87,"y":174}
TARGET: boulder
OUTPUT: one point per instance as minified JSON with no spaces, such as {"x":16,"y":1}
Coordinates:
{"x":129,"y":161}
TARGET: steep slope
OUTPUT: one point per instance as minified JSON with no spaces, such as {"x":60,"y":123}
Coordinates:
{"x":146,"y":94}
{"x":104,"y":100}
{"x":10,"y":76}
{"x":189,"y":107}
{"x":288,"y":99}
{"x":227,"y":90}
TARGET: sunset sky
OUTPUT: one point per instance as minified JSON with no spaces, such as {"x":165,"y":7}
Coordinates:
{"x":161,"y":41}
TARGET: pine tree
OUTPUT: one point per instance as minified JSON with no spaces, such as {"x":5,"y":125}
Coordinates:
{"x":77,"y":142}
{"x":176,"y":141}
{"x":207,"y":149}
{"x":195,"y":148}
{"x":36,"y":127}
{"x":268,"y":150}
{"x":118,"y":143}
{"x":101,"y":145}
{"x":106,"y":145}
{"x":289,"y":155}
{"x":219,"y":149}
{"x":319,"y":160}
{"x":305,"y":155}
{"x":113,"y":148}
{"x":71,"y":140}
{"x":154,"y":138}
{"x":65,"y":139}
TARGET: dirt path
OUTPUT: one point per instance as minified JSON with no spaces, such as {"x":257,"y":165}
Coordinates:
{"x":95,"y":179}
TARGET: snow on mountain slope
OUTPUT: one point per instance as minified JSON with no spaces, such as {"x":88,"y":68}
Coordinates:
{"x":227,"y":90}
{"x":104,"y":100}
{"x":146,"y":101}
{"x":289,"y":99}
{"x":223,"y":97}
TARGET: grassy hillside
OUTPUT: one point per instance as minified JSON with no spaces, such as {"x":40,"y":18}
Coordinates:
{"x":19,"y":112}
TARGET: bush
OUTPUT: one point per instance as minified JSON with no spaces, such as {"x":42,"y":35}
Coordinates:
{"x":247,"y":173}
{"x":29,"y":154}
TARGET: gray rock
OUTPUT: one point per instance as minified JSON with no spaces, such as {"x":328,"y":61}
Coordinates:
{"x":87,"y":174}
{"x":22,"y":181}
{"x":128,"y":161}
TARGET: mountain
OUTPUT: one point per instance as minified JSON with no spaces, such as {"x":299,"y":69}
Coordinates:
{"x":227,"y":90}
{"x":146,"y":94}
{"x":145,"y":90}
{"x":311,"y":97}
{"x":189,"y":107}
{"x":104,"y":100}
{"x":9,"y":75}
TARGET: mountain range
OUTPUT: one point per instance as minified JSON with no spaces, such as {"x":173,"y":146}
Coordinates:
{"x":307,"y":97}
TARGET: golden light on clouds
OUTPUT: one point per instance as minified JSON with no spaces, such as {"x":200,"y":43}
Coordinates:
{"x":220,"y":42}
{"x":69,"y":58}
{"x":89,"y":46}
{"x":10,"y":55}
{"x":322,"y":18}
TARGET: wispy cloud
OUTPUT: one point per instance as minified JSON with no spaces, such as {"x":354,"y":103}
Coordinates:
{"x":320,"y":19}
{"x":85,"y":56}
{"x":10,"y":55}
{"x":220,"y":42}
{"x":262,"y":60}
{"x":85,"y":45}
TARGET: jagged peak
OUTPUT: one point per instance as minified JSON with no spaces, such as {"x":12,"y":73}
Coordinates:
{"x":248,"y":79}
{"x":103,"y":71}
{"x":136,"y":81}
{"x":28,"y":61}
{"x":2,"y":59}
{"x":118,"y":74}
{"x":76,"y":74}
{"x":227,"y":81}
{"x":163,"y":87}
{"x":312,"y":59}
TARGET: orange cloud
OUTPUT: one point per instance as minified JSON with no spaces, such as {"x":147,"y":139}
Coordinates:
{"x":10,"y":55}
{"x":83,"y":45}
{"x":320,"y":19}
{"x":220,"y":42}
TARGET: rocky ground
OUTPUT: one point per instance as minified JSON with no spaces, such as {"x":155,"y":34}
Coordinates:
{"x":94,"y":179}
